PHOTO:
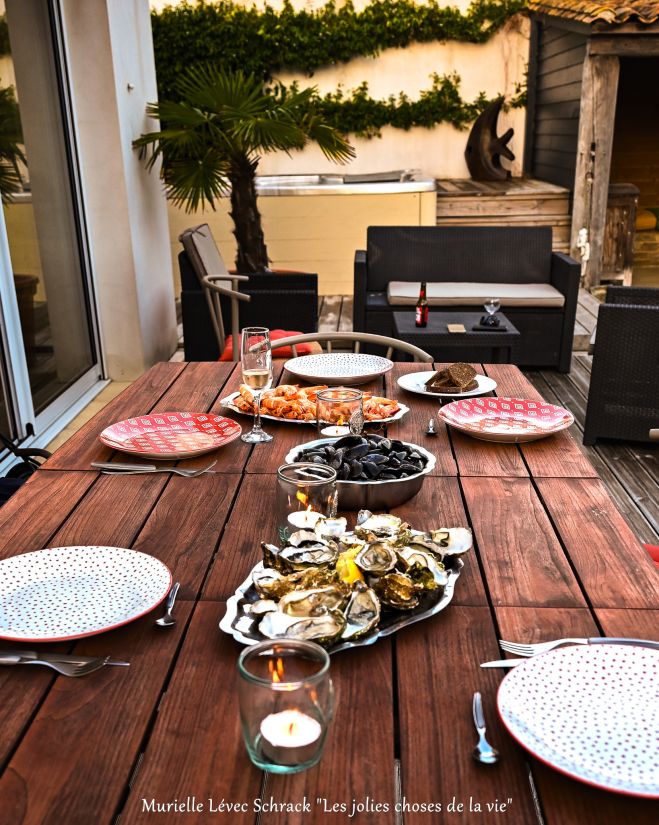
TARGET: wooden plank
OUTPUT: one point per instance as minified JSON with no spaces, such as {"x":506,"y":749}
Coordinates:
{"x":598,"y":540}
{"x":635,"y":624}
{"x":26,"y":524}
{"x":523,"y":560}
{"x":358,"y":762}
{"x":329,"y":322}
{"x":87,"y":734}
{"x":185,"y":537}
{"x":413,"y":426}
{"x":437,"y":675}
{"x":647,"y":46}
{"x":543,"y":624}
{"x":557,"y":456}
{"x":196,"y":748}
{"x":140,"y":397}
{"x":345,"y":322}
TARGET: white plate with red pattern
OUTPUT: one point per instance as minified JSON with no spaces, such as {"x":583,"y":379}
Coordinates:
{"x":590,"y":712}
{"x":71,"y":592}
{"x":171,"y":435}
{"x":506,"y":420}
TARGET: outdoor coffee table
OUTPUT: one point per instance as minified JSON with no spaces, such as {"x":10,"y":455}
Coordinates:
{"x":491,"y":347}
{"x":553,"y":558}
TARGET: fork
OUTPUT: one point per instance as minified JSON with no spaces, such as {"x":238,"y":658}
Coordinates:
{"x":519,"y":649}
{"x":180,"y":471}
{"x":70,"y":668}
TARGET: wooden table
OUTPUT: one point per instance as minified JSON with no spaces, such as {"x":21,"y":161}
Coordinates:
{"x":553,"y":558}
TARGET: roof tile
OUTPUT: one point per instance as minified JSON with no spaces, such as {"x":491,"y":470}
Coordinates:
{"x":586,"y":11}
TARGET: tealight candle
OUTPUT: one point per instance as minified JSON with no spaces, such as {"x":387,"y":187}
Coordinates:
{"x":335,"y":432}
{"x":289,"y":737}
{"x":304,"y":519}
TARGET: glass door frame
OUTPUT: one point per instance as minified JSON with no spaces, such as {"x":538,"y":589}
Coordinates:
{"x":31,"y":429}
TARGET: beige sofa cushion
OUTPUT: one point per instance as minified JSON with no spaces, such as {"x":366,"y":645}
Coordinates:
{"x":455,"y":293}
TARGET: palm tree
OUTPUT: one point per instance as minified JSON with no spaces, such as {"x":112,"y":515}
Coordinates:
{"x":11,"y":136}
{"x":212,"y":139}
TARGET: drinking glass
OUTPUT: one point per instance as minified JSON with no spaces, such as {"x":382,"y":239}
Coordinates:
{"x":256,"y":360}
{"x":286,"y":699}
{"x":491,"y":306}
{"x":339,"y":412}
{"x":305,"y":493}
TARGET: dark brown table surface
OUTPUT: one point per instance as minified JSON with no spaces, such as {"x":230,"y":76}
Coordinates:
{"x":553,"y":557}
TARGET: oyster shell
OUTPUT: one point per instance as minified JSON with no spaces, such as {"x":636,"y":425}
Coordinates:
{"x":301,"y":537}
{"x":453,"y":541}
{"x":414,"y":554}
{"x":383,"y":525}
{"x":306,"y":602}
{"x":322,"y":628}
{"x":266,"y":580}
{"x":263,"y":606}
{"x":397,"y":590}
{"x":376,"y":558}
{"x":309,"y":555}
{"x":362,"y":612}
{"x":330,"y":527}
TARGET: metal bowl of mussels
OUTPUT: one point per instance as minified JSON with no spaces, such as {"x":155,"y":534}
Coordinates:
{"x":373,"y":472}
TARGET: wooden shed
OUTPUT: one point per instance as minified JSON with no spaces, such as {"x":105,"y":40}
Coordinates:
{"x":593,"y":119}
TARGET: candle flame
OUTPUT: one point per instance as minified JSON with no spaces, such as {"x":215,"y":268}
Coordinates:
{"x":291,"y":728}
{"x":302,"y":497}
{"x":276,"y":669}
{"x":340,"y":421}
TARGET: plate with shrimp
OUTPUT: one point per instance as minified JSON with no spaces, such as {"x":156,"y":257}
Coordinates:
{"x":288,"y":402}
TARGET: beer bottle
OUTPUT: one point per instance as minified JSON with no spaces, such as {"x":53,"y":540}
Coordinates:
{"x":421,"y":318}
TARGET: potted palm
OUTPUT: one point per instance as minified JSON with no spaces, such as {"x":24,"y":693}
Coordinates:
{"x":212,"y":138}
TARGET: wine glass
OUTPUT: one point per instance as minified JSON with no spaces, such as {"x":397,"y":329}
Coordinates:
{"x":491,"y":306}
{"x":256,"y":360}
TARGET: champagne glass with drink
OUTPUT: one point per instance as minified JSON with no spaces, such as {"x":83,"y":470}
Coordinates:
{"x":256,"y":360}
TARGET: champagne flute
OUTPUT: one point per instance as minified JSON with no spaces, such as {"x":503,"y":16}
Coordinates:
{"x":256,"y":360}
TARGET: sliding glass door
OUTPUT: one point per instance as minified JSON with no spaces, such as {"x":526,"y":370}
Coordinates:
{"x":50,"y":342}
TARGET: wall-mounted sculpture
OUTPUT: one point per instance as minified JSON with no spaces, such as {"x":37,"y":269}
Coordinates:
{"x":484,"y":149}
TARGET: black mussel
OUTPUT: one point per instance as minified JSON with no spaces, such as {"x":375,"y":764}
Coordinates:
{"x":358,"y":451}
{"x":400,"y":455}
{"x":388,"y":475}
{"x":406,"y":467}
{"x":372,"y":470}
{"x":329,"y":451}
{"x":376,"y":439}
{"x":344,"y":472}
{"x":335,"y":463}
{"x":339,"y":454}
{"x":392,"y":461}
{"x":414,"y":454}
{"x":355,"y":468}
{"x":376,"y":458}
{"x":318,"y":460}
{"x":385,"y":445}
{"x":348,"y":441}
{"x":397,"y":445}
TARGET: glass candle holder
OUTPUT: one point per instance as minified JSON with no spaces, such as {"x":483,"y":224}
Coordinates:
{"x":306,"y":492}
{"x":286,"y":702}
{"x":339,"y":412}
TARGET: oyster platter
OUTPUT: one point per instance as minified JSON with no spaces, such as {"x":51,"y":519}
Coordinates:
{"x":343,"y":588}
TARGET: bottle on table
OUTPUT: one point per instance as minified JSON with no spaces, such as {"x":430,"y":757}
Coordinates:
{"x":421,"y":317}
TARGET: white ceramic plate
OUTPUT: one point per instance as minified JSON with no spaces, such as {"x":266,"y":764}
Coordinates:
{"x":70,"y":592}
{"x":416,"y":382}
{"x":590,"y":712}
{"x":339,"y":368}
{"x":228,"y":404}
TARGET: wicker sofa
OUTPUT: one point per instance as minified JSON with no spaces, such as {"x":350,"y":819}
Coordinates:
{"x":464,"y":265}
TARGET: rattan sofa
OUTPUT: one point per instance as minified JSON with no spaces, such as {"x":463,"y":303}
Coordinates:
{"x":463,"y":265}
{"x":623,"y":398}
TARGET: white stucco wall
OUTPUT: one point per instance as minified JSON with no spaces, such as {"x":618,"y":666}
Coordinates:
{"x":494,"y":67}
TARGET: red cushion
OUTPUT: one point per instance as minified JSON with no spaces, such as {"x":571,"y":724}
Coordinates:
{"x":653,"y":550}
{"x":282,"y":352}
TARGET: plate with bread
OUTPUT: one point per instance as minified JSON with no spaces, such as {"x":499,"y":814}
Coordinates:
{"x":457,"y":380}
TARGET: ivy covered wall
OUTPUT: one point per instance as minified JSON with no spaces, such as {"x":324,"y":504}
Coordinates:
{"x":414,"y":75}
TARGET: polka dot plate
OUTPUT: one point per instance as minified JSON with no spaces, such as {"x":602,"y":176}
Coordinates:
{"x":506,"y":420}
{"x":339,"y":368}
{"x":171,"y":435}
{"x":70,"y":592}
{"x":590,"y":712}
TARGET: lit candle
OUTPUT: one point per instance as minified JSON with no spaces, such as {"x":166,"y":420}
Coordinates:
{"x":304,"y":519}
{"x":289,"y":737}
{"x":335,"y":432}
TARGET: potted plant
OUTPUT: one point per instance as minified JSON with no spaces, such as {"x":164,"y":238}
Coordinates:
{"x":212,"y":139}
{"x":11,"y":153}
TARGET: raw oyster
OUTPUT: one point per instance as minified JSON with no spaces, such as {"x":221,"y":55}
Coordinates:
{"x":397,"y":590}
{"x":262,"y":606}
{"x":266,"y":581}
{"x":416,"y":555}
{"x":362,"y":612}
{"x":303,"y":537}
{"x":458,"y":541}
{"x":271,"y":584}
{"x":309,"y":555}
{"x":330,"y":527}
{"x":383,"y":525}
{"x":306,"y":602}
{"x":376,"y":558}
{"x":323,"y":628}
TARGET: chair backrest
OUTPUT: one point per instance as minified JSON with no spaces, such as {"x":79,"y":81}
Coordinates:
{"x":485,"y":254}
{"x":356,"y":338}
{"x":638,"y":295}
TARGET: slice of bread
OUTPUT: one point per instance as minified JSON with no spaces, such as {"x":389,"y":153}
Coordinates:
{"x":455,"y":378}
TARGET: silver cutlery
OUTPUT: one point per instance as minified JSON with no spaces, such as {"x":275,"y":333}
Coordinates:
{"x":23,"y":656}
{"x":483,"y":752}
{"x":504,"y":663}
{"x":135,"y":469}
{"x":519,"y":649}
{"x":167,"y":620}
{"x":74,"y":669}
{"x":431,"y":427}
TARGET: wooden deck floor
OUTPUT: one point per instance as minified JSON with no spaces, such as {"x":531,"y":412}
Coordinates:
{"x":630,"y":471}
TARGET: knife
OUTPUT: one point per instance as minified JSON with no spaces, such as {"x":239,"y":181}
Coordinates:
{"x":14,"y":657}
{"x":506,"y":662}
{"x":118,"y":466}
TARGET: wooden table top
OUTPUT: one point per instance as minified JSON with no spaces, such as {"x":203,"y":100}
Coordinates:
{"x":553,"y":557}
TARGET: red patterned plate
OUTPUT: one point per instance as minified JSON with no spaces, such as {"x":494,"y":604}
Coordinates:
{"x":170,"y":435}
{"x":506,"y":419}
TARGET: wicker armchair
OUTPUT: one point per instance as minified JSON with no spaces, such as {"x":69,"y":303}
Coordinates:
{"x":623,"y":400}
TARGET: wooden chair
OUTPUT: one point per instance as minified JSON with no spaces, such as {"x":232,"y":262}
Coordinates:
{"x":356,"y":339}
